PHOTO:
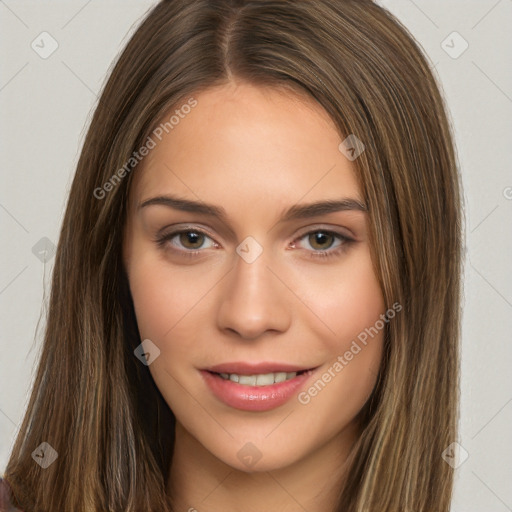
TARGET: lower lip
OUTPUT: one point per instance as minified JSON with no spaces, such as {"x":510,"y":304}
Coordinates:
{"x":253,"y":398}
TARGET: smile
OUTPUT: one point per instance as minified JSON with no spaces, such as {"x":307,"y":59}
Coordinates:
{"x":242,"y":387}
{"x":262,"y":379}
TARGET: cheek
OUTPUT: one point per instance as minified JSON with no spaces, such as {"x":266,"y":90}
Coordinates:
{"x":164,"y":302}
{"x":163,"y":298}
{"x":171,"y":308}
{"x":335,"y":397}
{"x":346,"y":301}
{"x":351,"y":309}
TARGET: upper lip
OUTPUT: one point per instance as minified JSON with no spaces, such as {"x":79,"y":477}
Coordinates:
{"x":242,"y":368}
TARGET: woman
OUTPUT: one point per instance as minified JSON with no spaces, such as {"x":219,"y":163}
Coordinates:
{"x":255,"y":300}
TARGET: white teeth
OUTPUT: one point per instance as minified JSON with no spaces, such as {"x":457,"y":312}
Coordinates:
{"x":247,"y":380}
{"x":280,"y":377}
{"x":263,"y":379}
{"x":266,"y":379}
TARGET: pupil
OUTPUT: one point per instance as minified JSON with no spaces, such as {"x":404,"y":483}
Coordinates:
{"x":191,"y":238}
{"x":320,"y":237}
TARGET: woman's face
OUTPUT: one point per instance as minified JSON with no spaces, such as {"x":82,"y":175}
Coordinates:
{"x":254,"y":286}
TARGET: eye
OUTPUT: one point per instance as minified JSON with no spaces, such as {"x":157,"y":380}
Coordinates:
{"x":323,"y":242}
{"x":186,"y":240}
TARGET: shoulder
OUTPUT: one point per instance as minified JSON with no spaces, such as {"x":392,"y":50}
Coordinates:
{"x":5,"y":498}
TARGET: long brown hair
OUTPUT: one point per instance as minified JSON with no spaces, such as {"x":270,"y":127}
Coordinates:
{"x":97,"y":405}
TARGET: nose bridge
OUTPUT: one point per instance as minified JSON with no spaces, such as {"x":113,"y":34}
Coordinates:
{"x":253,"y":301}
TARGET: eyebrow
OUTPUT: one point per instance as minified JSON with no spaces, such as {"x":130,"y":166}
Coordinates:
{"x":295,"y":212}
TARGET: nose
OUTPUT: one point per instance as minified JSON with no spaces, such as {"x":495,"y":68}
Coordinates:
{"x":253,"y":300}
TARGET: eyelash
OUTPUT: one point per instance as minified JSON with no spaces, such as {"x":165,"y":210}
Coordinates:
{"x":329,"y":253}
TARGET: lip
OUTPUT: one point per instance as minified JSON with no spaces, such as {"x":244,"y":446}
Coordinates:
{"x":254,"y":398}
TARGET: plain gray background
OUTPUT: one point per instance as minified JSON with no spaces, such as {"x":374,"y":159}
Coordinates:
{"x":45,"y":106}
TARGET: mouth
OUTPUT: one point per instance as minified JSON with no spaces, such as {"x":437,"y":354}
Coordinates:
{"x":260,"y":379}
{"x":255,"y":387}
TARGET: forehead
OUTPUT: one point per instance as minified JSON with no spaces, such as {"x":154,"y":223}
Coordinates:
{"x":243,"y":145}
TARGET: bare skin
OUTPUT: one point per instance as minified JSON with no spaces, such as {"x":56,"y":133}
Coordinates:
{"x":255,"y":152}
